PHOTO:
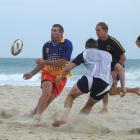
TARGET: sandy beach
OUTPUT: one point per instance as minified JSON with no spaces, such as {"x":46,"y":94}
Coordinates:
{"x":16,"y":102}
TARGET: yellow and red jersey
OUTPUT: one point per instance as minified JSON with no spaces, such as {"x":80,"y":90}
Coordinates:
{"x":61,"y":50}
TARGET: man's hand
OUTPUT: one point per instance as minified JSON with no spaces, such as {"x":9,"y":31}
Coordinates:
{"x":41,"y":61}
{"x":28,"y":75}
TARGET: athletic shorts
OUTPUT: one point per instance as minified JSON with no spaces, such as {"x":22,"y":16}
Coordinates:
{"x":57,"y":87}
{"x":96,"y":86}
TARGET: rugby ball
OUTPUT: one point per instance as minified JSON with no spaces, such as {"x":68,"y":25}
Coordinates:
{"x":138,"y":41}
{"x":17,"y":46}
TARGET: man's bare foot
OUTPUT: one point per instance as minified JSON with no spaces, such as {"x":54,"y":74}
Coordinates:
{"x":103,"y":111}
{"x":33,"y":112}
{"x":37,"y":117}
{"x":57,"y":123}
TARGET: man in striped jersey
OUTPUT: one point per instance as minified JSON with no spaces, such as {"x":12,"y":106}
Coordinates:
{"x":55,"y":55}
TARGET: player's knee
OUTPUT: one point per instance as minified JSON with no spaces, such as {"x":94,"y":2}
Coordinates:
{"x":74,"y":90}
{"x":46,"y":92}
{"x":73,"y":94}
{"x":46,"y":87}
{"x":46,"y":95}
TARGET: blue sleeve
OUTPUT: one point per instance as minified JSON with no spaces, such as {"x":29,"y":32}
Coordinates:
{"x":44,"y":54}
{"x":67,"y":50}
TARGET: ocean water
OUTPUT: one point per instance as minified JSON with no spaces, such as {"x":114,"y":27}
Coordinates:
{"x":12,"y":70}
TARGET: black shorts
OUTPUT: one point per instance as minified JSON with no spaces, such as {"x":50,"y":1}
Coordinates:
{"x":96,"y":86}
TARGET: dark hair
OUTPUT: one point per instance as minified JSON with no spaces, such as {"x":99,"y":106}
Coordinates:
{"x":91,"y":43}
{"x":138,"y":38}
{"x":103,"y":25}
{"x":61,"y":29}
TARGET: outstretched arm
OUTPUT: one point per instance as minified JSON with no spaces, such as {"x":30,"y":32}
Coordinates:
{"x":37,"y":69}
{"x":30,"y":74}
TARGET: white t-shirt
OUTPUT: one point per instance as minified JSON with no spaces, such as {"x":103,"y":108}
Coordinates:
{"x":97,"y":63}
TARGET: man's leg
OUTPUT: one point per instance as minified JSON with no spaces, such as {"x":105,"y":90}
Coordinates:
{"x":116,"y":91}
{"x":88,"y":106}
{"x":106,"y":97}
{"x":135,"y":90}
{"x":105,"y":104}
{"x":45,"y":98}
{"x":74,"y":93}
{"x":120,"y":70}
{"x":50,"y":99}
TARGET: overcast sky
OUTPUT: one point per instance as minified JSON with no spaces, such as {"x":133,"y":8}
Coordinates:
{"x":31,"y":21}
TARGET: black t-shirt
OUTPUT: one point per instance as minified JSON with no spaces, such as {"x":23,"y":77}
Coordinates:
{"x":112,"y":46}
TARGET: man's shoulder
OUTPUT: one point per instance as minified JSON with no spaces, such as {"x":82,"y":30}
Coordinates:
{"x":114,"y":40}
{"x":46,"y":44}
{"x":116,"y":43}
{"x":67,"y":41}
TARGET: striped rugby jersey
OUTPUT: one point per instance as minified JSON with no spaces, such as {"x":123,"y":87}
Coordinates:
{"x":61,"y":50}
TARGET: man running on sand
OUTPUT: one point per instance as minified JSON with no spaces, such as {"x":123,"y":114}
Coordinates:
{"x":56,"y":53}
{"x":97,"y":80}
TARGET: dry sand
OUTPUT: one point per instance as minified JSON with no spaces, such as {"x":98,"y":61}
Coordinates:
{"x":121,"y":123}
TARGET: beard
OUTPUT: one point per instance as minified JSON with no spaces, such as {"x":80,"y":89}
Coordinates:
{"x":55,"y":40}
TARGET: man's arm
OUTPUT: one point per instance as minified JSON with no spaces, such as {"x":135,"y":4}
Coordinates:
{"x":68,"y":68}
{"x":37,"y":69}
{"x":77,"y":61}
{"x":122,"y":59}
{"x":59,"y":62}
{"x":119,"y":51}
{"x":33,"y":72}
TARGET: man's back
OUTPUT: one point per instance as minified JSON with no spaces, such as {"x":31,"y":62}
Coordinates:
{"x":98,"y":64}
